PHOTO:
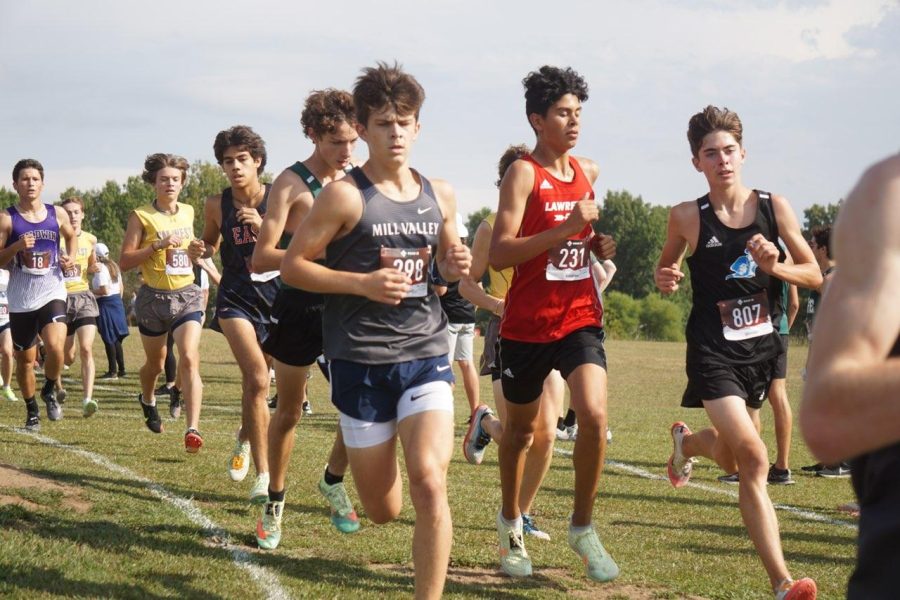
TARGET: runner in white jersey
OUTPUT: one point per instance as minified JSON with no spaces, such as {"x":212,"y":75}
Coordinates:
{"x":6,"y":347}
{"x":30,"y":235}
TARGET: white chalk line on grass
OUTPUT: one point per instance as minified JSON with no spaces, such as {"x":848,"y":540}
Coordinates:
{"x":809,"y":515}
{"x":266,"y":581}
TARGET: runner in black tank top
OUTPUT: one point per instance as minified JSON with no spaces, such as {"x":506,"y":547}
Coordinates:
{"x":851,"y":396}
{"x":244,"y":299}
{"x":732,"y":342}
{"x":295,"y":334}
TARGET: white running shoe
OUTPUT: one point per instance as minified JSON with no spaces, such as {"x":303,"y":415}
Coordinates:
{"x":599,"y":564}
{"x":514,"y":560}
{"x":268,"y":527}
{"x":259,"y":493}
{"x":679,"y":467}
{"x":239,"y":463}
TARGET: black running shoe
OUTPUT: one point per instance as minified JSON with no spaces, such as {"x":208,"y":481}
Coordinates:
{"x":175,"y":403}
{"x":33,"y":422}
{"x":813,"y":468}
{"x":151,"y":416}
{"x":273,"y":401}
{"x":109,"y":376}
{"x":54,"y":412}
{"x":163,"y":390}
{"x":779,"y":476}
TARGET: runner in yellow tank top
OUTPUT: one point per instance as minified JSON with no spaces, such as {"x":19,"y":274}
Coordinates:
{"x":160,"y":240}
{"x":81,"y":306}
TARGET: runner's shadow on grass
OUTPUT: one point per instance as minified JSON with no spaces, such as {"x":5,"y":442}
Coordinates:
{"x":791,"y":557}
{"x":35,"y":580}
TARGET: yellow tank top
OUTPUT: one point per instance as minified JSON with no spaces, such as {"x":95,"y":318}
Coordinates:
{"x":169,"y":268}
{"x":76,"y":279}
{"x":500,"y":280}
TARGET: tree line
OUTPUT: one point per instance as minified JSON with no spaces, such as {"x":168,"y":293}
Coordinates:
{"x":634,"y":310}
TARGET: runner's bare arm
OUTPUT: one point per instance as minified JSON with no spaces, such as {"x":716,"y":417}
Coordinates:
{"x":337,"y":211}
{"x":681,"y":233}
{"x":212,"y":224}
{"x":803,"y":271}
{"x":287,"y":189}
{"x":453,"y":257}
{"x":67,"y":232}
{"x":132,"y":254}
{"x":470,"y":285}
{"x":507,"y":249}
{"x":8,"y":252}
{"x":850,"y":401}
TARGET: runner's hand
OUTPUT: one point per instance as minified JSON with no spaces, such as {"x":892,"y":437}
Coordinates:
{"x":26,"y":241}
{"x":249,"y":216}
{"x":667,"y":278}
{"x":457,"y":260}
{"x":66,"y":262}
{"x":763,"y":252}
{"x":585,"y":211}
{"x":603,"y":246}
{"x":170,"y":241}
{"x":387,"y":285}
{"x":196,"y":249}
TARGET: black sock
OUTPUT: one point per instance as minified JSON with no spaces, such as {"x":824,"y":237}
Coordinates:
{"x":31,"y":406}
{"x":276,"y":496}
{"x":570,"y":418}
{"x":49,"y":386}
{"x":560,"y":424}
{"x":332,"y":479}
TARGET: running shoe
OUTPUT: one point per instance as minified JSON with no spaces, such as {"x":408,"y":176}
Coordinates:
{"x":151,"y":417}
{"x":33,"y":422}
{"x":529,"y":527}
{"x":9,"y":394}
{"x":109,"y":376}
{"x":841,"y":471}
{"x":61,"y":394}
{"x":273,"y":402}
{"x":802,"y":589}
{"x":175,"y":402}
{"x":88,"y":407}
{"x":812,"y":468}
{"x":779,"y":476}
{"x":54,"y":411}
{"x":163,"y":390}
{"x":514,"y":560}
{"x":732,"y":479}
{"x":599,"y":564}
{"x":679,"y":466}
{"x":122,"y":374}
{"x":343,"y":517}
{"x":307,"y":407}
{"x":477,"y":439}
{"x":608,"y":436}
{"x":572,"y":432}
{"x":240,"y":460}
{"x":562,"y":434}
{"x":259,"y":493}
{"x":268,"y":527}
{"x":193,"y":441}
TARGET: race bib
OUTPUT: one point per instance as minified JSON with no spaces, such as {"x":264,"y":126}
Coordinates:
{"x":413,"y":263}
{"x":178,"y":262}
{"x":745,"y":318}
{"x":569,"y":261}
{"x":35,"y":262}
{"x":72,"y":275}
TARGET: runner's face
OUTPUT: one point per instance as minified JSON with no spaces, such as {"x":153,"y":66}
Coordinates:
{"x":336,"y":148}
{"x":168,"y":183}
{"x":76,"y":215}
{"x":389,"y":135}
{"x":240,"y":167}
{"x":559,"y":128}
{"x":720,"y":158}
{"x":29,"y":184}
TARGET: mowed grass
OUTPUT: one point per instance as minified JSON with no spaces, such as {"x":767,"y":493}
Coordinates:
{"x":102,"y":533}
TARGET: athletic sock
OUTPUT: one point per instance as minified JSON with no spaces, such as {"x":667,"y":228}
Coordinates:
{"x":331,"y":478}
{"x":578,"y":529}
{"x":276,"y":496}
{"x":560,"y":424}
{"x":31,"y":406}
{"x":570,"y":418}
{"x":515,"y":523}
{"x":49,"y":386}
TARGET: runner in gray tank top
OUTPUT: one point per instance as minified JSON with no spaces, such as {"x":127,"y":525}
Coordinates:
{"x":390,"y":373}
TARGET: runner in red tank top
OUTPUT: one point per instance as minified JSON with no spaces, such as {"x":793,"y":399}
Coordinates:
{"x":552,"y":318}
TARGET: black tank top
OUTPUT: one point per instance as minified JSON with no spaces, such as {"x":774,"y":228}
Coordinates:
{"x":238,"y":240}
{"x":876,"y":481}
{"x":736,"y":306}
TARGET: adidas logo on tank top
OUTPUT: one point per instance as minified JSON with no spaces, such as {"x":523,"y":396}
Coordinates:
{"x":713,"y":242}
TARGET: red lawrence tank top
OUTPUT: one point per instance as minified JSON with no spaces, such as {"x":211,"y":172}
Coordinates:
{"x":552,"y":294}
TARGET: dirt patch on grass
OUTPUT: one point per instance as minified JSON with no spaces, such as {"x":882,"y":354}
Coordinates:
{"x":13,"y":479}
{"x":494,"y":583}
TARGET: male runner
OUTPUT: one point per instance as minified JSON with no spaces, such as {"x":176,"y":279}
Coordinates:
{"x":552,"y":318}
{"x":385,"y":333}
{"x":160,"y":240}
{"x":295,"y":332}
{"x":244,"y":299}
{"x":30,"y":235}
{"x":81,"y":305}
{"x":732,"y":347}
{"x":850,"y":406}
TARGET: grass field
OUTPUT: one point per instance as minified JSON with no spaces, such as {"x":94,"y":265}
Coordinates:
{"x":102,"y":508}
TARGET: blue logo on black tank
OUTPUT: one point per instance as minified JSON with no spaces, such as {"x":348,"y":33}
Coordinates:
{"x":743,"y":268}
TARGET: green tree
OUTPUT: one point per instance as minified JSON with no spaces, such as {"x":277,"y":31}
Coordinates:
{"x":661,"y":319}
{"x":474,"y":220}
{"x":639,"y":230}
{"x":8,"y":197}
{"x":204,"y":179}
{"x":621,"y":315}
{"x":818,"y":215}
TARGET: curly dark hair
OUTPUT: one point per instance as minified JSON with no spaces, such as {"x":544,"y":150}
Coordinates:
{"x":548,"y":84}
{"x":710,"y":119}
{"x":822,"y":236}
{"x":510,"y":155}
{"x":385,"y":85}
{"x":27,"y":163}
{"x":243,"y":137}
{"x":325,"y":110}
{"x":155,"y":163}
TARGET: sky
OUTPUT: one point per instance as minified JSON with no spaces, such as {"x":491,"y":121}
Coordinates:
{"x":90,"y":88}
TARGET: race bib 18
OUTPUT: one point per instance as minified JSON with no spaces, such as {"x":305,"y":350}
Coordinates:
{"x":35,"y":262}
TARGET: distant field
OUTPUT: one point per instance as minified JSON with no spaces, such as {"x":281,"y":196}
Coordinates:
{"x":102,"y":508}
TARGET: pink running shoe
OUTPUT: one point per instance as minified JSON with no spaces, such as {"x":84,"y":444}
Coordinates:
{"x":679,"y":466}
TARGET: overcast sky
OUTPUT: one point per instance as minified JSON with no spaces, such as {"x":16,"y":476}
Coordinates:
{"x":90,"y":88}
